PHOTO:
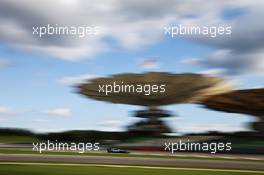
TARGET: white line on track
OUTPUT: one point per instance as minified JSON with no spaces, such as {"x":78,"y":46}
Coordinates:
{"x":131,"y":166}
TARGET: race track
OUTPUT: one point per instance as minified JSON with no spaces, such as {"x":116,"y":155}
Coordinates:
{"x":170,"y":162}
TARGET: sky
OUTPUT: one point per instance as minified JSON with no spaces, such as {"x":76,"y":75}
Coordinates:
{"x":38,"y":75}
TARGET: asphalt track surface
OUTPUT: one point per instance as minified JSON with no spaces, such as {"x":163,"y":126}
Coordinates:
{"x":170,"y":162}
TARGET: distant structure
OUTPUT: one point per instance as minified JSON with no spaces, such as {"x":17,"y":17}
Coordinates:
{"x":178,"y":89}
{"x":248,"y":101}
{"x":151,"y":123}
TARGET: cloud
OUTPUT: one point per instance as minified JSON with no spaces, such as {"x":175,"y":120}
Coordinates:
{"x":214,"y":72}
{"x":4,"y":62}
{"x":60,"y":112}
{"x":40,"y":120}
{"x":206,"y":127}
{"x":2,"y":120}
{"x":77,"y":79}
{"x":6,"y":111}
{"x":132,"y":24}
{"x":228,"y":62}
{"x":110,"y":125}
{"x":240,"y":53}
{"x":18,"y":18}
{"x":135,"y":24}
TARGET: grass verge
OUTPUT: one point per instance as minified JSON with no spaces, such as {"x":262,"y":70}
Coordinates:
{"x":56,"y":169}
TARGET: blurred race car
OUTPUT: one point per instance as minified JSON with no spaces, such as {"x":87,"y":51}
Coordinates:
{"x":116,"y":150}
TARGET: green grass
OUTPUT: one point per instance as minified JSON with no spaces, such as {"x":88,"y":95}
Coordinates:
{"x":17,"y":139}
{"x":96,"y":170}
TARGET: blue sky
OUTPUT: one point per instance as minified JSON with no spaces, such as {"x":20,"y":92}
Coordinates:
{"x":33,"y":94}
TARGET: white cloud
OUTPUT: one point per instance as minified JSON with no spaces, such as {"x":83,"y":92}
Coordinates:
{"x":214,"y":72}
{"x":4,"y":62}
{"x":228,"y":62}
{"x":206,"y":127}
{"x":60,"y":112}
{"x":2,"y":120}
{"x":132,"y":23}
{"x":110,"y":125}
{"x":6,"y":111}
{"x":77,"y":79}
{"x":40,"y":120}
{"x":243,"y":51}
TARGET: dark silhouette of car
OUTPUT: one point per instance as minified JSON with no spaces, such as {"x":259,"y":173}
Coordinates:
{"x":116,"y":150}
